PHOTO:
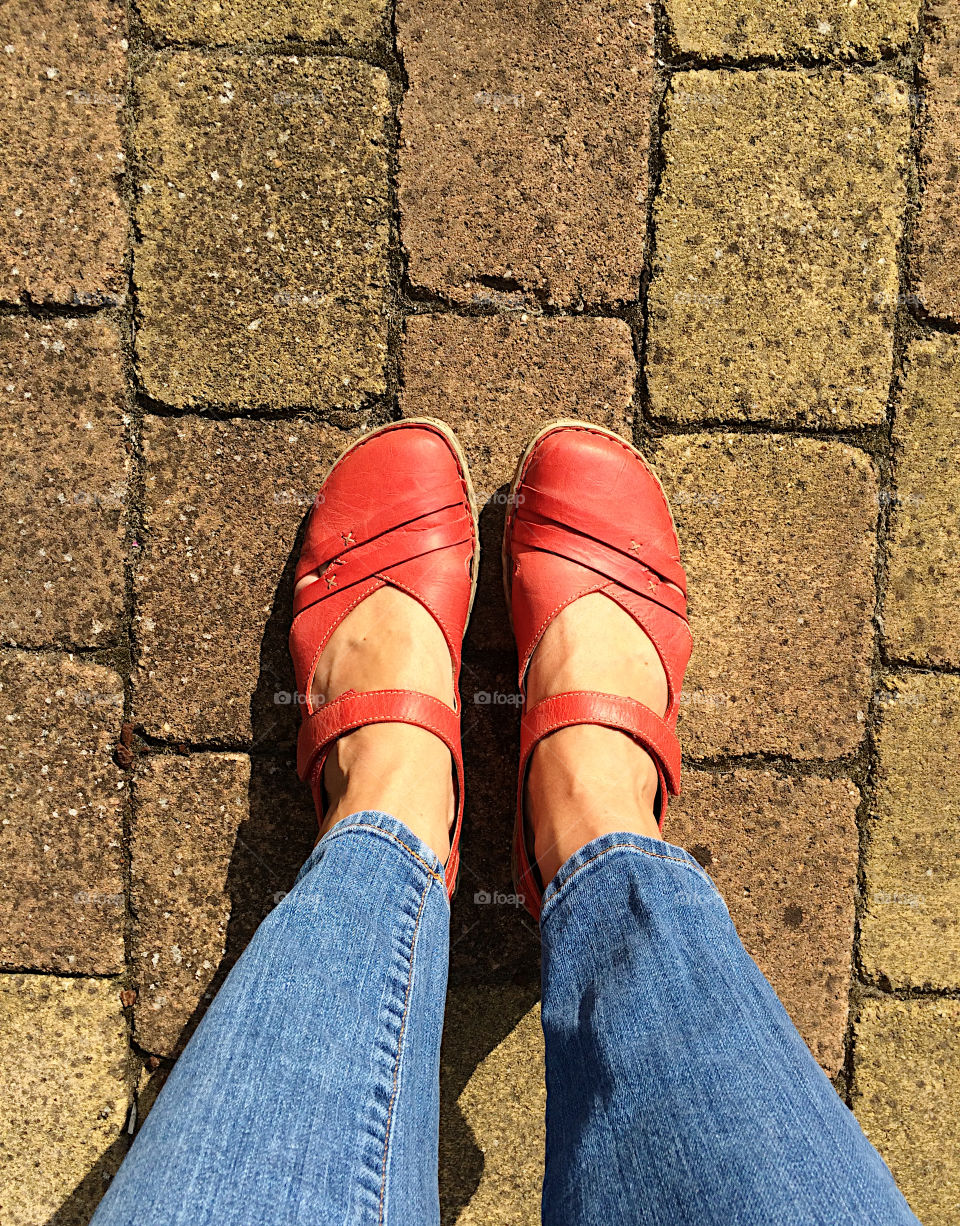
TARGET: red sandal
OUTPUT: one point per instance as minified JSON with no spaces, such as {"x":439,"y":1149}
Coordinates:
{"x":588,"y":514}
{"x":396,"y":509}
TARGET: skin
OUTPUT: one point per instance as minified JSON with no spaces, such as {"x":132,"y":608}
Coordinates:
{"x":583,"y":781}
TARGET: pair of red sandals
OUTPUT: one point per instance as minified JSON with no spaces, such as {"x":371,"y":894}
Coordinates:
{"x":586,"y":514}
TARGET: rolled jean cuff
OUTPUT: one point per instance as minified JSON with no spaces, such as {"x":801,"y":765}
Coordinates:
{"x":371,"y":823}
{"x":590,"y":859}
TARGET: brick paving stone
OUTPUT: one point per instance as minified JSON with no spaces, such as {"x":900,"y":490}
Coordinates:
{"x":739,"y":29}
{"x":63,"y":229}
{"x":63,"y":1096}
{"x":61,"y":894}
{"x":775,"y":280}
{"x":783,"y":853}
{"x":214,"y":585}
{"x":910,"y":929}
{"x":777,"y":534}
{"x":497,"y":382}
{"x":906,"y":1094}
{"x":492,"y":1105}
{"x":235,"y":21}
{"x":492,"y":939}
{"x":524,"y":143}
{"x":187,"y":813}
{"x":65,"y":464}
{"x":922,"y":603}
{"x":936,"y":257}
{"x":264,"y":217}
{"x":217,"y":841}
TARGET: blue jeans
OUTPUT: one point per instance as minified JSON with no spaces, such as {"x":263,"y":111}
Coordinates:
{"x":678,"y":1091}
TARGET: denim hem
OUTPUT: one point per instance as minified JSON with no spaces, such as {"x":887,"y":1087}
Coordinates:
{"x":609,"y":844}
{"x":379,"y":825}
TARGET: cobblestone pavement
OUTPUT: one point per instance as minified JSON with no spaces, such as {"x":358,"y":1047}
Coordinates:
{"x":235,"y":235}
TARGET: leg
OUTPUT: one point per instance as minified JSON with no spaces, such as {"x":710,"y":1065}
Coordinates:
{"x":678,"y":1090}
{"x":309,"y":1092}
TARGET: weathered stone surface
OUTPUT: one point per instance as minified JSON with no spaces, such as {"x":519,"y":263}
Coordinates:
{"x":497,"y":382}
{"x":63,"y":228}
{"x":217,"y":841}
{"x":783,"y":853}
{"x":922,"y":605}
{"x":936,"y":262}
{"x":906,"y":1094}
{"x":524,"y":142}
{"x":910,"y":929}
{"x":264,"y":218}
{"x":492,"y":1105}
{"x":65,"y":466}
{"x":738,"y":29}
{"x":61,"y":892}
{"x":236,"y":21}
{"x":777,"y":221}
{"x":777,"y":534}
{"x":187,"y":813}
{"x":214,"y":586}
{"x":64,"y":1097}
{"x":492,"y":938}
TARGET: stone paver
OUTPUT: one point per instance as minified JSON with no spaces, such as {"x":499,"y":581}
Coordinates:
{"x":775,"y":280}
{"x":214,"y":586}
{"x":63,"y":1096}
{"x":187,"y":813}
{"x":524,"y":145}
{"x":910,"y":929}
{"x":922,"y":603}
{"x":235,"y":21}
{"x":498,"y":381}
{"x":777,"y":536}
{"x":61,"y":892}
{"x":217,"y":842}
{"x":492,"y":939}
{"x":936,"y":259}
{"x":740,"y":29}
{"x":783,"y":853}
{"x":65,"y":464}
{"x":264,"y":194}
{"x":63,"y":226}
{"x":492,"y":1104}
{"x":906,"y":1094}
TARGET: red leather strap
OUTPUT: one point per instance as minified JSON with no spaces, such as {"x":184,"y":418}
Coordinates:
{"x":352,"y":710}
{"x":590,"y":707}
{"x":396,"y":515}
{"x":633,"y":573}
{"x":610,"y":711}
{"x":567,"y":515}
{"x":438,"y":530}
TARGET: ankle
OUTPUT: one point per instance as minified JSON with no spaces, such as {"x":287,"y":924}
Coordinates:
{"x":584,"y":782}
{"x":398,"y":769}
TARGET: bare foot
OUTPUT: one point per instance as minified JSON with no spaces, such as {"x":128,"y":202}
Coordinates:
{"x":389,"y":641}
{"x":585,"y":781}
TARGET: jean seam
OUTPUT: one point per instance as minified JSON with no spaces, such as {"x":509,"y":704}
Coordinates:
{"x":387,"y":834}
{"x":400,"y":1037}
{"x":642,"y":851}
